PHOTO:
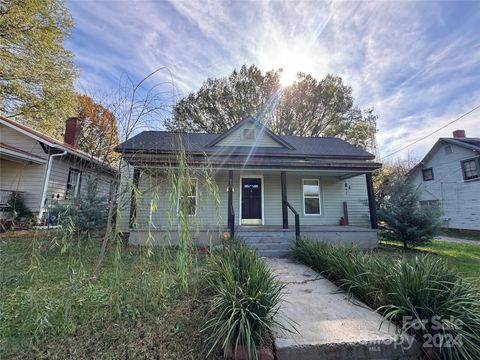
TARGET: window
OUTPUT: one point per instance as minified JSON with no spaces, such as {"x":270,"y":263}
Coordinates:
{"x":427,"y":174}
{"x":73,"y":183}
{"x":189,"y":200}
{"x":311,"y":197}
{"x":248,"y":134}
{"x":470,"y":169}
{"x":429,"y":203}
{"x":448,"y":149}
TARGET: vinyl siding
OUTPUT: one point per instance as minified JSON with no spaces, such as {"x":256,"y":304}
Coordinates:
{"x":22,"y":176}
{"x":14,"y":138}
{"x":333,"y":193}
{"x":57,"y":184}
{"x":236,"y":138}
{"x":459,"y":199}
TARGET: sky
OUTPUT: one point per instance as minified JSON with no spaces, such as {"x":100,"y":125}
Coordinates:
{"x":416,"y":63}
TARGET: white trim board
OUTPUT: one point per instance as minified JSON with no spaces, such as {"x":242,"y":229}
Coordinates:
{"x":240,"y":196}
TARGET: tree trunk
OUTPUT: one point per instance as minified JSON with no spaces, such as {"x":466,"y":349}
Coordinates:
{"x":108,"y":231}
{"x":404,"y":244}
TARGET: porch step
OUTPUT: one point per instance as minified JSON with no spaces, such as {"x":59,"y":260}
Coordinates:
{"x":270,"y":246}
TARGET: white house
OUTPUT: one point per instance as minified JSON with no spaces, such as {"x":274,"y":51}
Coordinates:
{"x":450,"y":175}
{"x":42,"y":169}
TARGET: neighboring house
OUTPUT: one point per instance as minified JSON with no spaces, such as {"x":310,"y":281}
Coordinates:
{"x":262,"y":180}
{"x":43,"y":169}
{"x":449,"y":175}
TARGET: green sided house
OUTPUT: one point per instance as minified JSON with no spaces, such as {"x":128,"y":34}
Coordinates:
{"x":271,"y":188}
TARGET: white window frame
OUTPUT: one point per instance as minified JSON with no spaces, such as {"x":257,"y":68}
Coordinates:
{"x":77,"y":183}
{"x":312,"y":197}
{"x":190,"y":196}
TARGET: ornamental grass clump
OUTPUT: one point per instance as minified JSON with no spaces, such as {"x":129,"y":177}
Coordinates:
{"x":246,"y":300}
{"x":420,"y":294}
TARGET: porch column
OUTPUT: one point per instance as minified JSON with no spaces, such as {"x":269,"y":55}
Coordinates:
{"x":230,"y":216}
{"x":283,"y":181}
{"x":371,"y":201}
{"x":133,"y":200}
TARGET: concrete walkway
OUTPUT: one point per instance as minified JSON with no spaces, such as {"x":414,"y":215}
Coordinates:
{"x":329,"y":325}
{"x":457,"y":240}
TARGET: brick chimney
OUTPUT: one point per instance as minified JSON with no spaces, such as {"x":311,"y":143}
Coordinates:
{"x":72,"y":131}
{"x":459,"y":134}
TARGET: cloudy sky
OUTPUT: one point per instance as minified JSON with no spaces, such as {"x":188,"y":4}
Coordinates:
{"x":416,"y":63}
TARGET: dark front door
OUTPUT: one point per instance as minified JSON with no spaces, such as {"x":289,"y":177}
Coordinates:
{"x":251,"y":201}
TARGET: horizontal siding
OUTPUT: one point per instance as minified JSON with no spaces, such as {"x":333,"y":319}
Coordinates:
{"x":459,"y":199}
{"x":236,"y":139}
{"x":57,"y":185}
{"x":14,"y":138}
{"x":24,"y":177}
{"x":333,"y":193}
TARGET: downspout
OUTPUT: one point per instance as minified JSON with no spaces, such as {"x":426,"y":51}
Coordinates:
{"x":47,"y":180}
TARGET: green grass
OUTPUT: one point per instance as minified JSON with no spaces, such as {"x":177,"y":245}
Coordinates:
{"x":465,"y":258}
{"x":460,"y":234}
{"x":51,"y":309}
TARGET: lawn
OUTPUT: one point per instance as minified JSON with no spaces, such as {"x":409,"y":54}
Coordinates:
{"x":465,"y":258}
{"x":460,"y":234}
{"x":139,"y":307}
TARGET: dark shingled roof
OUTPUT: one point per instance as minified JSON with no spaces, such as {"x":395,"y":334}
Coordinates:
{"x":165,"y":142}
{"x":469,"y":143}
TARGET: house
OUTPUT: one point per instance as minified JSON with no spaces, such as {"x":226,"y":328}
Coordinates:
{"x":44,"y":170}
{"x":449,"y":175}
{"x":271,"y":188}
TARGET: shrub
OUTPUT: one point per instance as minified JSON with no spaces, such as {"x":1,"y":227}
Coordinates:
{"x":405,"y":220}
{"x":85,"y":213}
{"x":246,"y":299}
{"x":442,"y":308}
{"x":18,"y":206}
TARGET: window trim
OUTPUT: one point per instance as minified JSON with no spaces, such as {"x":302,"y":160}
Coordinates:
{"x":476,"y":160}
{"x":312,"y":197}
{"x":423,"y":174}
{"x":77,"y":185}
{"x":190,"y":196}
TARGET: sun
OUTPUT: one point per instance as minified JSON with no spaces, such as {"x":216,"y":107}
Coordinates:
{"x":292,"y":61}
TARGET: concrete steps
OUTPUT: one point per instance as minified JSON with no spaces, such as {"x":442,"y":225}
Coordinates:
{"x":267,"y":245}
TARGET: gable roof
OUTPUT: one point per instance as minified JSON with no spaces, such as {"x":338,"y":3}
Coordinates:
{"x":51,"y":142}
{"x":201,"y":143}
{"x":467,"y":143}
{"x":257,"y":123}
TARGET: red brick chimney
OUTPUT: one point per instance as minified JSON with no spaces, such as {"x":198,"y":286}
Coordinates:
{"x":72,"y":131}
{"x":459,"y":134}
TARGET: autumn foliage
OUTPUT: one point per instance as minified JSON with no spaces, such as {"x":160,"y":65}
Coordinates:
{"x":99,"y":134}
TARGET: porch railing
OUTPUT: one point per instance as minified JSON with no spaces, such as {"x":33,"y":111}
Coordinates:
{"x":297,"y":220}
{"x":231,"y":221}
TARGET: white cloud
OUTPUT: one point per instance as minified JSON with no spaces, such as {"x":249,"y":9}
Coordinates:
{"x":414,"y":62}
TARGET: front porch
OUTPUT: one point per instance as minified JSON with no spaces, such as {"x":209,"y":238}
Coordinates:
{"x":268,"y":240}
{"x":267,"y":208}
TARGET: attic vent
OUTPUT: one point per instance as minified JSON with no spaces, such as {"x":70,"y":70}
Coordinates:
{"x":448,"y":149}
{"x":248,"y":134}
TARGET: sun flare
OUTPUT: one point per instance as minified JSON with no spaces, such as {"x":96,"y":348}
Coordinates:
{"x":292,"y":61}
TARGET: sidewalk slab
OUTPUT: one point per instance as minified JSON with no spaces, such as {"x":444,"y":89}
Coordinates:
{"x":330,"y":325}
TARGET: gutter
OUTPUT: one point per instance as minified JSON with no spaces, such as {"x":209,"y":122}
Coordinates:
{"x":47,"y":180}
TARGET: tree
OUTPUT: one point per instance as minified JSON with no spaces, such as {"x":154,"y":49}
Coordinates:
{"x":307,"y":108}
{"x":391,"y":172}
{"x":37,"y":73}
{"x":405,"y":219}
{"x":99,"y":131}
